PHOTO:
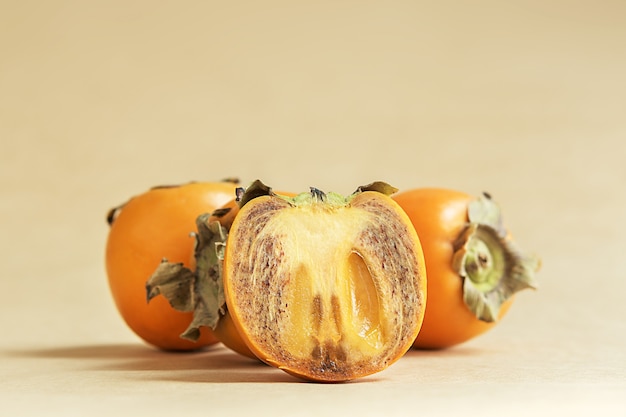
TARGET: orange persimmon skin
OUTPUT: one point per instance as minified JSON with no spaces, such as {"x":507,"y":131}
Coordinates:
{"x":439,"y":216}
{"x":148,"y":228}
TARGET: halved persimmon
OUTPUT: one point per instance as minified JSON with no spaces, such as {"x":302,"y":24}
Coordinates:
{"x":324,"y":287}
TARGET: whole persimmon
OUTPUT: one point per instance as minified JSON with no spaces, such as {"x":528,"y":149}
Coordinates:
{"x":148,"y":228}
{"x":473,"y":266}
{"x":325,"y":287}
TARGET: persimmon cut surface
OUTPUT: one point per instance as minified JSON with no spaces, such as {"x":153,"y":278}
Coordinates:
{"x":325,"y":287}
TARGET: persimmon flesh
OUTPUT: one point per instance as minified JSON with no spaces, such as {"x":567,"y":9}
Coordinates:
{"x":325,"y":287}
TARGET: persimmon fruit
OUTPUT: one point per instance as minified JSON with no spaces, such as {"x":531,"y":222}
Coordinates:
{"x":474,"y":267}
{"x":149,"y":227}
{"x":325,"y":287}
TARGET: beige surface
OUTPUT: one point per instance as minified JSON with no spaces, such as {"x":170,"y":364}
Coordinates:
{"x":101,"y":100}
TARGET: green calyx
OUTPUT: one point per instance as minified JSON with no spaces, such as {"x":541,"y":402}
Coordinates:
{"x":315,"y":195}
{"x":491,"y":266}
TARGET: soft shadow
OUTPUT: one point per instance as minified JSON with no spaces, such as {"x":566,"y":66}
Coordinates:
{"x":262,"y":375}
{"x":215,"y":364}
{"x":112,"y":351}
{"x":451,"y":352}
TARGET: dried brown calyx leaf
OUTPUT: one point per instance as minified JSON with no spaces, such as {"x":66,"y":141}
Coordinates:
{"x":201,"y":290}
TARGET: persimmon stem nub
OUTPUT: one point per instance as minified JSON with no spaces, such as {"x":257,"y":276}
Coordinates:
{"x":318,"y":194}
{"x":239,"y":191}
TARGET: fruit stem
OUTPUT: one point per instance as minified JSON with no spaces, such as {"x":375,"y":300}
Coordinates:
{"x":318,"y":194}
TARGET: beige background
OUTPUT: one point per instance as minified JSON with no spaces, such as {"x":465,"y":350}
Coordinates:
{"x":100,"y":100}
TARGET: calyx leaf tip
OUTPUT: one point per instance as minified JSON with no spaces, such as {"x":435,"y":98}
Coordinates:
{"x":378,"y":186}
{"x":256,"y":189}
{"x":173,"y":281}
